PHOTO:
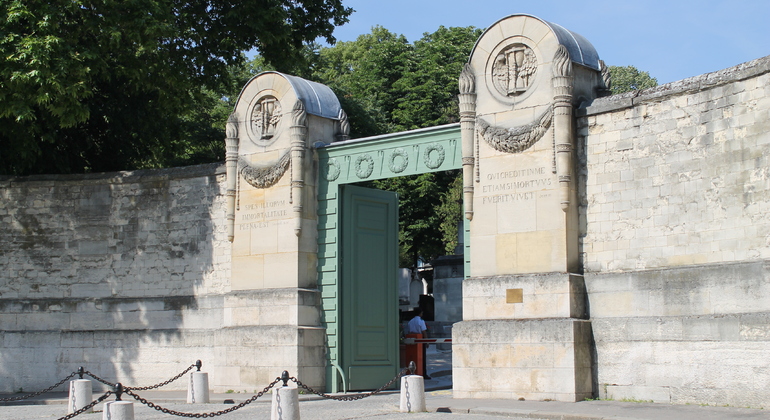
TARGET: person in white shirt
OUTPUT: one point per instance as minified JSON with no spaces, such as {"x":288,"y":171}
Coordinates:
{"x":416,"y":328}
{"x":416,"y":325}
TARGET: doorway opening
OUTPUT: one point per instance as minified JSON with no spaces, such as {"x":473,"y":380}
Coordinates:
{"x":366,"y":300}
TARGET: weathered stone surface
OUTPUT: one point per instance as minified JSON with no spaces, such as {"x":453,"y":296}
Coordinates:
{"x":531,"y":359}
{"x":550,"y":295}
{"x":680,"y":177}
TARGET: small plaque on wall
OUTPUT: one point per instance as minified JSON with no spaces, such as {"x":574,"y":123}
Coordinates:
{"x":514,"y":296}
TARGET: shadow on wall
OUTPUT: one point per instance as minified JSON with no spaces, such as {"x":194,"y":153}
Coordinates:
{"x":107,"y":270}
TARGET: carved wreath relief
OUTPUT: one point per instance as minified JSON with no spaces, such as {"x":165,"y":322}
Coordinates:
{"x":514,"y":69}
{"x":264,"y":119}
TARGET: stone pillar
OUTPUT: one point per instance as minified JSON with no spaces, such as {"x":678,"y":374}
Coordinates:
{"x":198,"y":388}
{"x":118,"y":410}
{"x":562,"y":122}
{"x":467,"y":126}
{"x":81,"y":394}
{"x":285,"y":404}
{"x":272,"y":212}
{"x":412,"y":394}
{"x":298,"y":136}
{"x":231,"y":164}
{"x":525,"y":332}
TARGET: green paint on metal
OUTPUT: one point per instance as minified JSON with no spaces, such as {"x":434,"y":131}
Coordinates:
{"x":413,"y":152}
{"x":369,"y":286}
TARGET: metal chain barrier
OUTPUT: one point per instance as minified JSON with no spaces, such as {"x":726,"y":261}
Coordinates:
{"x":350,"y":397}
{"x":200,"y":415}
{"x":86,"y":408}
{"x":146,"y":388}
{"x":35,"y":394}
{"x":197,"y":364}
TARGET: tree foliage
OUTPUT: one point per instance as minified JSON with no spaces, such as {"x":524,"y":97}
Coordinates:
{"x":387,"y":84}
{"x":628,"y":78}
{"x":95,"y":85}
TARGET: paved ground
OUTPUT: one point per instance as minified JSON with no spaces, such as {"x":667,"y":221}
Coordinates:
{"x":440,"y":405}
{"x":439,"y":401}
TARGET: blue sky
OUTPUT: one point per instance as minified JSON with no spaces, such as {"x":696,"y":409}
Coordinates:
{"x":672,"y":40}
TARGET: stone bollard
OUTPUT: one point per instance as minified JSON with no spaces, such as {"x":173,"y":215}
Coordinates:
{"x":412,"y":394}
{"x":198,"y":389}
{"x":81,"y":394}
{"x":118,"y":410}
{"x":285,"y":401}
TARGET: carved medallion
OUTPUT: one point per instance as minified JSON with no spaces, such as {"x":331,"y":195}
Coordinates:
{"x":513,"y":69}
{"x":265,"y":119}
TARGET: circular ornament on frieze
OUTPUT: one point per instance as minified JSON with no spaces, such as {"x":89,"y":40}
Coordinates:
{"x":264,"y":120}
{"x":333,"y":170}
{"x":512,"y":70}
{"x":399,"y":160}
{"x":434,"y":160}
{"x":364,"y":170}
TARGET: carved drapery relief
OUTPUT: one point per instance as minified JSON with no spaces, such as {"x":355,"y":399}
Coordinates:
{"x":517,"y":139}
{"x":263,"y":176}
{"x":467,"y":99}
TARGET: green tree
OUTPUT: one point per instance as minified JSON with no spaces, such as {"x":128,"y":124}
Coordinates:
{"x":427,"y":91}
{"x":363,"y":73}
{"x":628,"y":78}
{"x":95,"y":85}
{"x":387,"y":84}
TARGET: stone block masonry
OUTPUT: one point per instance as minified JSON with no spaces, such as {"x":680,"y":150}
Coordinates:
{"x":85,"y":236}
{"x":675,"y":202}
{"x":681,"y":175}
{"x":128,"y":275}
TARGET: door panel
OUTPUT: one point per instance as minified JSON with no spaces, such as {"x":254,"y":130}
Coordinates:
{"x":369,"y":252}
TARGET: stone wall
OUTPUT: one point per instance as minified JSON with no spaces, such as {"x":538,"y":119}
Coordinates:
{"x":676,"y":238}
{"x":128,"y":275}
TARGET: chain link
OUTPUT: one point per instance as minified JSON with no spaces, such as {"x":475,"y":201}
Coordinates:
{"x":104,"y":381}
{"x":142,"y":388}
{"x":350,"y":397}
{"x":146,"y":388}
{"x":35,"y":394}
{"x":201,"y":415}
{"x":86,"y":408}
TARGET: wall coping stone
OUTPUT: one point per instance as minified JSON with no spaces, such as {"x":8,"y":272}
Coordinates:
{"x":122,"y":177}
{"x":737,"y":73}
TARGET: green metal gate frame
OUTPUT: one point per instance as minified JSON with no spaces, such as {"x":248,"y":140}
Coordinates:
{"x":408,"y":153}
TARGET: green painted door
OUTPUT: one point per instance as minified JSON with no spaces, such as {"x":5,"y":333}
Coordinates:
{"x":369,"y":286}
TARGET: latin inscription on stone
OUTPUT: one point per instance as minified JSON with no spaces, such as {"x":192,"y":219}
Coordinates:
{"x":515,"y":185}
{"x":261,"y":215}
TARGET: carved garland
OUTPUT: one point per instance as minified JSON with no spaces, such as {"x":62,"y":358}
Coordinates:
{"x":515,"y":140}
{"x":264,"y":176}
